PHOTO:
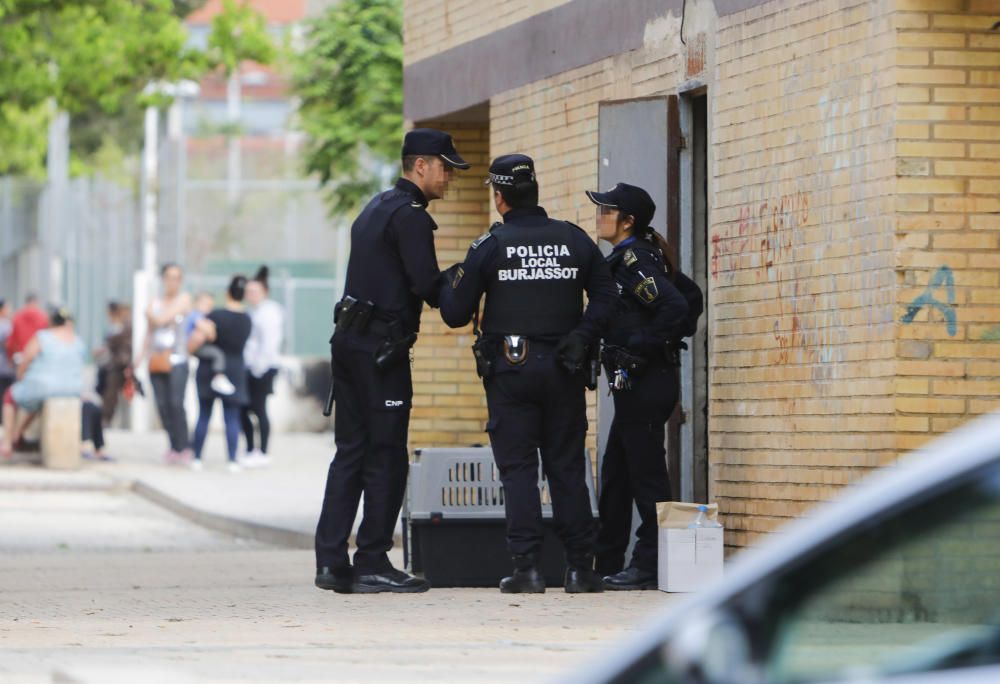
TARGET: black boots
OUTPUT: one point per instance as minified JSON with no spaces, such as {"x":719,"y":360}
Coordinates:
{"x":631,"y":579}
{"x":526,"y":578}
{"x":581,"y":578}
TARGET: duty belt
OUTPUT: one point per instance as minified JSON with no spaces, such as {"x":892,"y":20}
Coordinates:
{"x":363,"y":318}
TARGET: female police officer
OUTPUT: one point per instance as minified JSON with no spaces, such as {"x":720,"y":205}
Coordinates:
{"x":640,"y":356}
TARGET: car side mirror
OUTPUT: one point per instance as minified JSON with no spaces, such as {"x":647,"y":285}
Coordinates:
{"x":712,"y":648}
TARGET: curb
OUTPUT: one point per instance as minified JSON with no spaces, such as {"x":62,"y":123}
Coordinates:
{"x":268,"y":534}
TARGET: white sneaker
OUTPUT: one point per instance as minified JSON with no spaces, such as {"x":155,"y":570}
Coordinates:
{"x":221,"y":384}
{"x":196,"y":465}
{"x":247,"y":459}
{"x":262,"y":461}
{"x":235,"y":467}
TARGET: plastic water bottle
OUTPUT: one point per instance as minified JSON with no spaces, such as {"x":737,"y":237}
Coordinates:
{"x":700,"y":519}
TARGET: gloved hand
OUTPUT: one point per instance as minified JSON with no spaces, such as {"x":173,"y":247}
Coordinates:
{"x":571,"y":352}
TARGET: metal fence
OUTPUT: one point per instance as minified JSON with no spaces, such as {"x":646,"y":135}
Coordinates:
{"x":82,"y":251}
{"x":78,"y":249}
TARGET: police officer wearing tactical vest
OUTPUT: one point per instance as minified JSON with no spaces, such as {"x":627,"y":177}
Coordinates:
{"x":657,"y":307}
{"x":533,"y":356}
{"x":392,"y":271}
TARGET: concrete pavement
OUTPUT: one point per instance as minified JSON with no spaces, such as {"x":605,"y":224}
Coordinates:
{"x":100,"y":585}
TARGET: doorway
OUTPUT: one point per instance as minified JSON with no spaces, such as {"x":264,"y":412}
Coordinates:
{"x":692,"y":235}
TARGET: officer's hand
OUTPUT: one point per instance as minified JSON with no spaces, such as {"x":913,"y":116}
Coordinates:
{"x":571,"y":352}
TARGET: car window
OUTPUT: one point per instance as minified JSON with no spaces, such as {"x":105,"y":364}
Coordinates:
{"x":914,"y":591}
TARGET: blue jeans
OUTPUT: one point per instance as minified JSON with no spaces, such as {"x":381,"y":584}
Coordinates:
{"x":231,"y":417}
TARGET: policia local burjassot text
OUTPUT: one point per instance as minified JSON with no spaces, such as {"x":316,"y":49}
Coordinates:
{"x":538,"y":262}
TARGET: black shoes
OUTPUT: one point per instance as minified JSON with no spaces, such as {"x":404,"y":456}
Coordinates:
{"x":391,"y":580}
{"x":583,"y":581}
{"x":523,"y":581}
{"x":631,"y":579}
{"x":341,"y":581}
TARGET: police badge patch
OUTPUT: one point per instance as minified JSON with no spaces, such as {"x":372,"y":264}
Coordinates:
{"x":457,"y":278}
{"x":646,"y":291}
{"x":630,"y":257}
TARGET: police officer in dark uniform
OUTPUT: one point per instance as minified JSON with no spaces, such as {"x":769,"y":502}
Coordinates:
{"x":641,"y":355}
{"x":533,"y":356}
{"x":392,"y":271}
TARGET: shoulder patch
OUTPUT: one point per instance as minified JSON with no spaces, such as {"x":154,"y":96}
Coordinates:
{"x":481,"y":239}
{"x":630,"y":258}
{"x":646,"y":291}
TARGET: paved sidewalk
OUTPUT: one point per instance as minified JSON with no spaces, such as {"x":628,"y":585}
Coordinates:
{"x":102,"y":587}
{"x":279,"y":504}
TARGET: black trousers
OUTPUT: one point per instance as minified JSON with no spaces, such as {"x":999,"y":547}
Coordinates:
{"x":259,"y":389}
{"x":92,"y":429}
{"x":371,"y":424}
{"x":168,"y":389}
{"x":539,"y":408}
{"x":635,"y":470}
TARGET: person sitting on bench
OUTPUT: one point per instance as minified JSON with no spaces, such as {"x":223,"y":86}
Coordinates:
{"x":51,"y":366}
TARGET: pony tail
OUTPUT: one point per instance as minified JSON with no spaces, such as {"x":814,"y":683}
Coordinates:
{"x":664,"y":246}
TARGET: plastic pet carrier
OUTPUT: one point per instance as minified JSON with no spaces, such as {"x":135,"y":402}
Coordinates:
{"x":454,"y":529}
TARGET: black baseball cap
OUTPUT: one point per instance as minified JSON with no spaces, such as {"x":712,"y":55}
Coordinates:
{"x":421,"y":141}
{"x":510,"y":167}
{"x":630,"y":199}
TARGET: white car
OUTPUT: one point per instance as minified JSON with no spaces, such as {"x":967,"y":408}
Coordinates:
{"x":896,"y":581}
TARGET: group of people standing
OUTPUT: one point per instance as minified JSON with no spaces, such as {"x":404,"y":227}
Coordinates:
{"x":537,"y":348}
{"x":238,"y":348}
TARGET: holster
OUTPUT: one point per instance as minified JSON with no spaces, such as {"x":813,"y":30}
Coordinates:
{"x":619,"y":358}
{"x":672,"y":352}
{"x":484,"y":351}
{"x":594,"y":367}
{"x":396,"y":347}
{"x":352,"y":315}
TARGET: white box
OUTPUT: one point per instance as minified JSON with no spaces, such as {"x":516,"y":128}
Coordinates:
{"x":689,"y":559}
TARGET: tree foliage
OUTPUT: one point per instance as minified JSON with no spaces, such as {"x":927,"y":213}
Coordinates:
{"x":239,"y":33}
{"x":349,"y":79}
{"x":83,"y":56}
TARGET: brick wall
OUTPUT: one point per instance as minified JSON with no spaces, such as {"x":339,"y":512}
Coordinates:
{"x":852,"y":156}
{"x":802,"y":346}
{"x":948,"y":228}
{"x":449,"y":406}
{"x":433,"y":26}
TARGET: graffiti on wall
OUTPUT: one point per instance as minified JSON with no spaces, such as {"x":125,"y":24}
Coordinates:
{"x":942,"y":283}
{"x":767,"y":228}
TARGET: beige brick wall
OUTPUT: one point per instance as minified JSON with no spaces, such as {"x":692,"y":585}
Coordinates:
{"x":432,"y":26}
{"x":948,"y":227}
{"x":853,"y":150}
{"x":801,"y":257}
{"x":449,"y":406}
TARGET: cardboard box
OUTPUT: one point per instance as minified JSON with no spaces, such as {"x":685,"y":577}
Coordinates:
{"x":689,"y":559}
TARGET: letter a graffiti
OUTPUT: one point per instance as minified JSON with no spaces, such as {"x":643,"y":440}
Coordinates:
{"x":942,"y":276}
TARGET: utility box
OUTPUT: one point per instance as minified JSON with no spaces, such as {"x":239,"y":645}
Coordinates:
{"x":454,"y":527}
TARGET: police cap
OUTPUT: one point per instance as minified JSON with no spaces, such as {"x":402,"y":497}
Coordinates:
{"x":429,"y":141}
{"x":509,"y":168}
{"x":630,"y":199}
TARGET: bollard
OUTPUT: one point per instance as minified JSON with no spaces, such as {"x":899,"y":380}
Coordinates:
{"x":60,"y":425}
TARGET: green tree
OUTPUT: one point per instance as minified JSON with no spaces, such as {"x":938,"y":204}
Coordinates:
{"x":83,"y":55}
{"x":349,"y":79}
{"x":239,"y":33}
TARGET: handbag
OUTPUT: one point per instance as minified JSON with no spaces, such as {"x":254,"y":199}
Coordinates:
{"x":159,"y":362}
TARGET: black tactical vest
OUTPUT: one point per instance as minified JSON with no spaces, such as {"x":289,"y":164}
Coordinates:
{"x":375,"y":270}
{"x":536,"y":287}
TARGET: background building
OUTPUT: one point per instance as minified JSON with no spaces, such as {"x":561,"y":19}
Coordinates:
{"x":826,"y":169}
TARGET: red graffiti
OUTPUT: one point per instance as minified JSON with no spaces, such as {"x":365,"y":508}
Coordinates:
{"x":771,"y":225}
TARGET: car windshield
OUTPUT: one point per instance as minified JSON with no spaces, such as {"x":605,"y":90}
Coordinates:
{"x":914,"y":590}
